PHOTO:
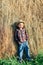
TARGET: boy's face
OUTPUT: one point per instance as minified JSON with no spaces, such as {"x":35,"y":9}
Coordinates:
{"x":21,"y":25}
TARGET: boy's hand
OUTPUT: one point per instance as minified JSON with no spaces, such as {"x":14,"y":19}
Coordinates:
{"x":19,"y":42}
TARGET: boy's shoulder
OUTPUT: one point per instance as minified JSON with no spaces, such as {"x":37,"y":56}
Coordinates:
{"x":17,"y":30}
{"x":24,"y":29}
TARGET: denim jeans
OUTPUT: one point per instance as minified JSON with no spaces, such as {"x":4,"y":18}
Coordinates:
{"x":24,"y":46}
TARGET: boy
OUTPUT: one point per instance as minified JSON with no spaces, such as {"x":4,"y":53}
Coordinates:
{"x":22,"y":39}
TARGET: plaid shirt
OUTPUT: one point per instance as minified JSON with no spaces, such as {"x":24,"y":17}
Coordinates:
{"x":21,"y":35}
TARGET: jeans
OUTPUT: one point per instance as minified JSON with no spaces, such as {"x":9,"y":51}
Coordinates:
{"x":24,"y":46}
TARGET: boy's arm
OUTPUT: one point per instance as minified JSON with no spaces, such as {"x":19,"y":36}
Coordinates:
{"x":26,"y":35}
{"x":16,"y":32}
{"x":20,"y":37}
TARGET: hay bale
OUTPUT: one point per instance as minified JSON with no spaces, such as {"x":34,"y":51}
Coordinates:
{"x":30,"y":11}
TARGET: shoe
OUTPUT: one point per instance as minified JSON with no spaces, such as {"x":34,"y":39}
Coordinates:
{"x":20,"y":60}
{"x":31,"y":60}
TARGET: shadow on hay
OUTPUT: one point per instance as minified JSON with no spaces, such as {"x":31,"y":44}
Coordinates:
{"x":14,"y":27}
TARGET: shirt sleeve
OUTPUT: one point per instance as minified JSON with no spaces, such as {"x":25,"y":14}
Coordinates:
{"x":20,"y":37}
{"x":26,"y":35}
{"x":16,"y":35}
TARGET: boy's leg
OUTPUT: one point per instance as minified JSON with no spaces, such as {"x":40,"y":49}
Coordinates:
{"x":20,"y":52}
{"x":27,"y":51}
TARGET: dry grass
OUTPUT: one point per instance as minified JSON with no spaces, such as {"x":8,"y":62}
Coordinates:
{"x":30,"y":11}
